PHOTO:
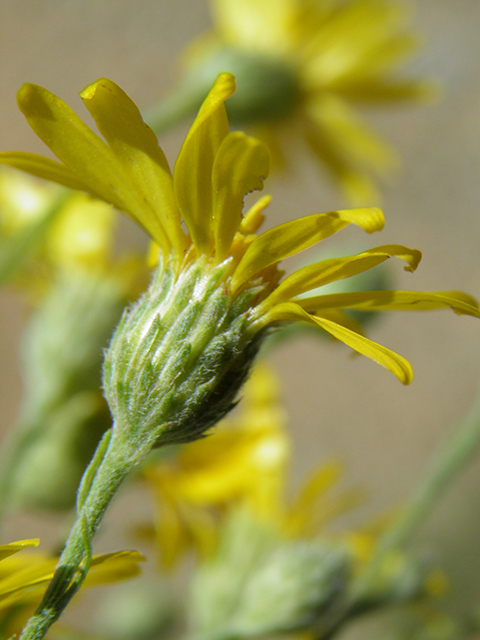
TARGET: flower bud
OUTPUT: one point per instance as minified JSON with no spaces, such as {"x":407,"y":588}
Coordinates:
{"x":257,"y":584}
{"x":179,"y":356}
{"x":63,"y":414}
{"x":267,"y":87}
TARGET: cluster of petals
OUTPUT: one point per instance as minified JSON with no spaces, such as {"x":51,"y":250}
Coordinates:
{"x":197,"y":211}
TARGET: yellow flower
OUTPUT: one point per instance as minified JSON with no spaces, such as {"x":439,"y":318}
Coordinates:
{"x":218,"y":249}
{"x":23,"y":578}
{"x":244,"y":463}
{"x":302,"y":66}
{"x":59,"y":231}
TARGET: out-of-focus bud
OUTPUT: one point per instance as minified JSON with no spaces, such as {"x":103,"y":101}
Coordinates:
{"x":64,"y":414}
{"x":291,"y":588}
{"x":400,"y":578}
{"x":49,"y":472}
{"x":258,"y":584}
{"x":140,"y":611}
{"x":267,"y":86}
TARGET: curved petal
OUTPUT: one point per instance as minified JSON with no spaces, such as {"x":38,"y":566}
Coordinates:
{"x":81,"y":150}
{"x":459,"y":302}
{"x":321,"y":273}
{"x":295,"y":236}
{"x":192,"y":175}
{"x":112,"y":567}
{"x":240,"y":166}
{"x":136,"y":147}
{"x":291,"y":312}
{"x":7,"y":550}
{"x":42,"y":167}
{"x":327,"y":271}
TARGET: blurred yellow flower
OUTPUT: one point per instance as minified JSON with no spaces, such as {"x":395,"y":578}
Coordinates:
{"x":79,"y":234}
{"x":218,"y":249}
{"x":22,"y":578}
{"x":302,"y":66}
{"x":244,"y":463}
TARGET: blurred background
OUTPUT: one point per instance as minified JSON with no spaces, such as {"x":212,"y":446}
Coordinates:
{"x":339,"y":406}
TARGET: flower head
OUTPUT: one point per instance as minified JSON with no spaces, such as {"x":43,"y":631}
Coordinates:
{"x":301,"y":66}
{"x":195,"y":216}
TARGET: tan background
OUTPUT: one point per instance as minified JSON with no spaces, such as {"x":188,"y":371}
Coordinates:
{"x":349,"y":408}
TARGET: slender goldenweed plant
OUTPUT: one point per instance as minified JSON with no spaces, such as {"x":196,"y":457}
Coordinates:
{"x":181,"y":353}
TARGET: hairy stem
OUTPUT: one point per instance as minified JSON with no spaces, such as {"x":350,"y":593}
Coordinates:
{"x":109,"y":466}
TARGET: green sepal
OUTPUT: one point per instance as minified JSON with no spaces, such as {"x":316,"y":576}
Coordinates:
{"x":179,"y":356}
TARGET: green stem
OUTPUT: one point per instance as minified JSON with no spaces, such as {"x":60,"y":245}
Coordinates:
{"x":109,"y":466}
{"x":453,"y":455}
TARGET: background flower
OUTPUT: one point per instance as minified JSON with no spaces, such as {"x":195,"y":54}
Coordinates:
{"x":303,"y":67}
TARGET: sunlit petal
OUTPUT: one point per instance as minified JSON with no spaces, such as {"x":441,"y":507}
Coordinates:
{"x":461,"y":303}
{"x":399,"y":366}
{"x":7,"y":550}
{"x":327,"y":271}
{"x":240,"y":166}
{"x":292,"y":237}
{"x":193,"y":169}
{"x":75,"y":144}
{"x":136,"y":147}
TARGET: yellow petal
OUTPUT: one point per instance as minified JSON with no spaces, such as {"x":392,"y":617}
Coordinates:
{"x":352,"y":178}
{"x":326,"y":271}
{"x":136,"y":147}
{"x":42,"y":167}
{"x":83,"y":152}
{"x":295,"y":236}
{"x":291,"y":312}
{"x":368,"y":23}
{"x":20,"y":585}
{"x":461,"y":303}
{"x":192,"y":175}
{"x":112,"y":567}
{"x":241,"y":165}
{"x":254,"y":217}
{"x":262,"y":25}
{"x":7,"y":550}
{"x":392,"y":91}
{"x":375,"y":61}
{"x":353,"y":139}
